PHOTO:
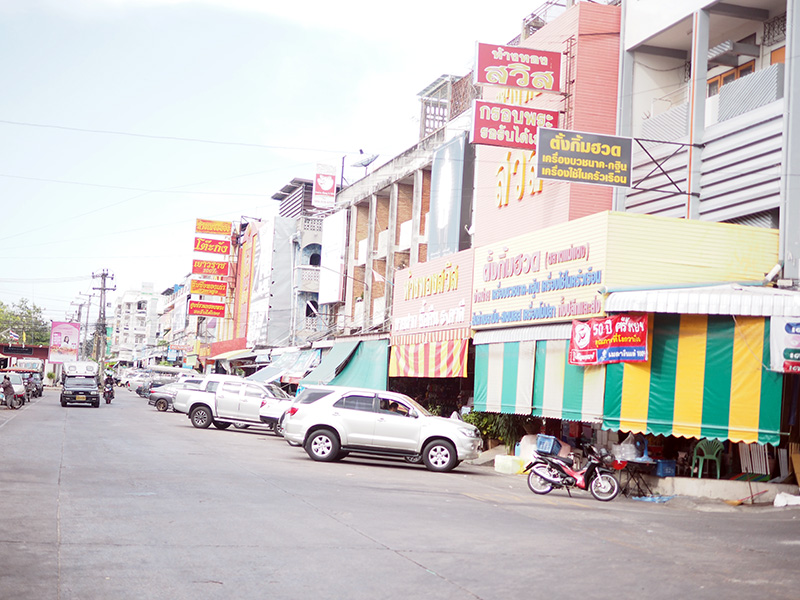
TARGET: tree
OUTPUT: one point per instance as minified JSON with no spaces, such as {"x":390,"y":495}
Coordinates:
{"x":24,"y":317}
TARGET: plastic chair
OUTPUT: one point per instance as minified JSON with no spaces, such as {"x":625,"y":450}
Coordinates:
{"x":706,"y":450}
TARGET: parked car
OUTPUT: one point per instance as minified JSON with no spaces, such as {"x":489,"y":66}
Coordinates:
{"x":353,"y":420}
{"x":162,"y":396}
{"x":80,"y":389}
{"x":199,"y":384}
{"x":31,"y":379}
{"x":238,"y":402}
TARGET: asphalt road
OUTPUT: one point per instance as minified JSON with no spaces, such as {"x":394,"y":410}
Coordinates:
{"x":126,"y":502}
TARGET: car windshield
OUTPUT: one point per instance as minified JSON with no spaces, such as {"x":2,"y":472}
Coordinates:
{"x":309,"y":395}
{"x":419,"y":407}
{"x":15,"y":378}
{"x":80,"y":383}
{"x":276,"y":391}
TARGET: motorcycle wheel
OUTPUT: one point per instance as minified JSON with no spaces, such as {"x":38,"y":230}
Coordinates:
{"x":15,"y":403}
{"x":537,"y":483}
{"x":604,"y":487}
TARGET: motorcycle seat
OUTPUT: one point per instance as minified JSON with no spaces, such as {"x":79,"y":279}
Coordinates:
{"x":564,"y":460}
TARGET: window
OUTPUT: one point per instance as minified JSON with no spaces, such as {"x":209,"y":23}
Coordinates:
{"x":362,"y":403}
{"x":778,"y":56}
{"x":715,"y":83}
{"x":212,"y":386}
{"x":231,"y":388}
{"x":393,"y":407}
{"x":314,"y":260}
{"x":253,"y":391}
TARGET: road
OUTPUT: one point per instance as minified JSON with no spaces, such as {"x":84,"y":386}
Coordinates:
{"x":125,"y":502}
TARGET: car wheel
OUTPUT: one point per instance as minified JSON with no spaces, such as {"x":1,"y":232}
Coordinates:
{"x":440,"y":456}
{"x":323,"y":445}
{"x":64,"y":404}
{"x":219,"y":425}
{"x":414,"y":460}
{"x":201,"y":417}
{"x":241,"y":425}
{"x":161,"y":405}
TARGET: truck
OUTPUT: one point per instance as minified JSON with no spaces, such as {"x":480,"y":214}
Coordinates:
{"x":80,"y":383}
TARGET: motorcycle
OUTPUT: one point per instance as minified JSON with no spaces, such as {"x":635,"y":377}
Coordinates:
{"x":546,"y":472}
{"x":108,"y":392}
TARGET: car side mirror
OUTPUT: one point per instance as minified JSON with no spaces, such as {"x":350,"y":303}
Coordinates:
{"x":413,"y":414}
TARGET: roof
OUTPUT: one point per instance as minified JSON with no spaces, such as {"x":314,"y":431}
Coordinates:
{"x":725,"y":299}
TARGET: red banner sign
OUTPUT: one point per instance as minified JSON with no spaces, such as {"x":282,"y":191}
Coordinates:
{"x":209,"y":267}
{"x":206,"y":309}
{"x":620,"y":338}
{"x":509,"y":126}
{"x":525,"y":68}
{"x":208,"y":288}
{"x":213,"y":227}
{"x":212,"y":246}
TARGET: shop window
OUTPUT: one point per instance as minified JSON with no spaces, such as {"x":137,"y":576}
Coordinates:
{"x":727,"y":77}
{"x":777,"y":56}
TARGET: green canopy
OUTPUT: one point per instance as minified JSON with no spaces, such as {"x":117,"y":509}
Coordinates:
{"x":368,"y":367}
{"x":331,"y":365}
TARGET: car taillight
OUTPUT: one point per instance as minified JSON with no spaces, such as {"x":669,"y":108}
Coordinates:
{"x":292,"y":411}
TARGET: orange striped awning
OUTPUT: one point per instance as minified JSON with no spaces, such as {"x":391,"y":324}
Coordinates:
{"x":432,"y":359}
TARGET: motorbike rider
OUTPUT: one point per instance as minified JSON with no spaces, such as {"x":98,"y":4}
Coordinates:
{"x":8,"y":391}
{"x":109,"y":381}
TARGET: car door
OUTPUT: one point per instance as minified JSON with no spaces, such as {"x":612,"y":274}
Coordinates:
{"x":355,"y":414}
{"x":228,"y":399}
{"x":397,"y":426}
{"x":250,"y":402}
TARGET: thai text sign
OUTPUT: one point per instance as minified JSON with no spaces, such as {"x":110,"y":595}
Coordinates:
{"x":516,"y":67}
{"x":212,"y":246}
{"x":433,"y":296}
{"x":619,"y":338}
{"x":785,"y":344}
{"x":509,"y":126}
{"x":324,"y":193}
{"x":209,"y":267}
{"x":208,"y":288}
{"x":584,"y":157}
{"x":213,"y":227}
{"x":206,"y":309}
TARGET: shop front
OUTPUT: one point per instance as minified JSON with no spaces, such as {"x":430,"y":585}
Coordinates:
{"x":431,"y":357}
{"x":703,"y":375}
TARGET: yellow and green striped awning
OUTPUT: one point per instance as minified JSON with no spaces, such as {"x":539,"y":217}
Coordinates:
{"x":535,"y":378}
{"x":707,"y":377}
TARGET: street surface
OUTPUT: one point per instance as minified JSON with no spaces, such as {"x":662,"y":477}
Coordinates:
{"x":124,"y":502}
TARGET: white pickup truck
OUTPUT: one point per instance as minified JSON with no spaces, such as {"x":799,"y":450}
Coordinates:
{"x":225,"y":400}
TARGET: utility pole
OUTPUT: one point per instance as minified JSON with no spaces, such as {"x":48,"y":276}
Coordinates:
{"x":80,"y":310}
{"x":100,"y":340}
{"x":86,"y":328}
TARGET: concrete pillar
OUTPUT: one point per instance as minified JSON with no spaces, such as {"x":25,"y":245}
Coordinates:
{"x":697,"y":109}
{"x":416,"y":217}
{"x":790,"y":183}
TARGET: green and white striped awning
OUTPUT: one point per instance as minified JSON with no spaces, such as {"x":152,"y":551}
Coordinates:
{"x":534,"y":378}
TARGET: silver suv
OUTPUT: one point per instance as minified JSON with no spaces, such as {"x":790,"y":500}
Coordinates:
{"x":353,"y":420}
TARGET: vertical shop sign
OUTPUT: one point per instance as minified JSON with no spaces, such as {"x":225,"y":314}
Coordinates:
{"x":324,"y":193}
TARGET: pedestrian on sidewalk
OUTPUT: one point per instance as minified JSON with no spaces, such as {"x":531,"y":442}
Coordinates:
{"x":8,"y":391}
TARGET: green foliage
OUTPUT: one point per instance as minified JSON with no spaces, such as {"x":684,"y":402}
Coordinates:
{"x":507,"y":428}
{"x":51,"y":375}
{"x":24,"y":317}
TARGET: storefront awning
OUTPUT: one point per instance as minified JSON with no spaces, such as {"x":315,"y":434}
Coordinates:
{"x":727,"y":299}
{"x":432,"y":359}
{"x":707,"y":377}
{"x":301,"y":366}
{"x":231,"y":355}
{"x":276,"y":368}
{"x":534,"y":378}
{"x":367,"y":368}
{"x":331,"y":365}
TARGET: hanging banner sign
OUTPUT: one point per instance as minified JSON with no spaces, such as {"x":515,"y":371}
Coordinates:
{"x":784,"y":341}
{"x":206,"y":309}
{"x":208,"y":288}
{"x":619,"y":338}
{"x":212,"y":246}
{"x":324,"y":193}
{"x":213,"y":227}
{"x":509,"y":126}
{"x":209,"y":267}
{"x":584,"y":157}
{"x":512,"y":66}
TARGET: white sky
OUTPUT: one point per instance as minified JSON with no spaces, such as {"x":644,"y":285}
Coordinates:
{"x":285,"y":85}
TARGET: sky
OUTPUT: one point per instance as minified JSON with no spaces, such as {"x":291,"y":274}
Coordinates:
{"x":123,"y":121}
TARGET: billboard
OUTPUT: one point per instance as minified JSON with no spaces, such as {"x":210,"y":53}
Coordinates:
{"x":513,"y":66}
{"x":324,"y":192}
{"x":206,"y":309}
{"x":208,"y":288}
{"x":333,"y":259}
{"x":582,"y":157}
{"x":64,"y":342}
{"x":213,"y":227}
{"x":212,"y":246}
{"x":509,"y":126}
{"x":619,"y":338}
{"x":209,"y":267}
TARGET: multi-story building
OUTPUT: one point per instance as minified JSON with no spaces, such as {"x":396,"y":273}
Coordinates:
{"x":134,"y":324}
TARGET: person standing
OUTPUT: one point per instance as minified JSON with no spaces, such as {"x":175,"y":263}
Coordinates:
{"x":8,"y":392}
